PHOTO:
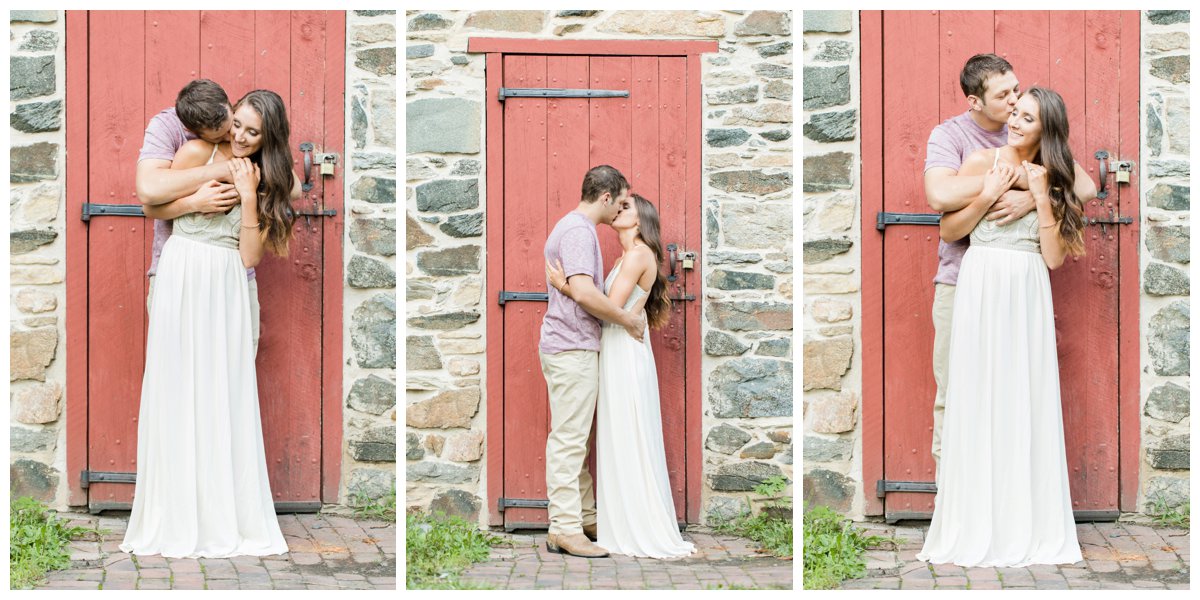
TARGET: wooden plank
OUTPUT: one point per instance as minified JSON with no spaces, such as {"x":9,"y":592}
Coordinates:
{"x":1067,"y":55}
{"x":332,"y":286}
{"x":76,"y":231}
{"x":1129,"y":350}
{"x":116,"y":347}
{"x":1023,"y":38}
{"x":963,"y":34}
{"x":610,"y":132}
{"x":592,"y":47}
{"x":909,"y":74}
{"x":272,"y":51}
{"x":494,"y":173}
{"x":693,"y":216}
{"x":524,"y":269}
{"x":871,"y":84}
{"x":227,"y":50}
{"x":566,"y":137}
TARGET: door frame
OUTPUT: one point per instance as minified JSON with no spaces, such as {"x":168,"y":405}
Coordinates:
{"x":76,"y":232}
{"x":1128,"y":329}
{"x":495,"y":49}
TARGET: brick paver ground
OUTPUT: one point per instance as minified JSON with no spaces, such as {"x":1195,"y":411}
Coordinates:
{"x":721,"y":562}
{"x":327,"y":552}
{"x":1122,"y":555}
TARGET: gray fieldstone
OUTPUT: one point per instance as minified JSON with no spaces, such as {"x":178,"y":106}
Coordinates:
{"x":828,"y":21}
{"x":418,"y":51}
{"x":376,"y":190}
{"x":448,"y":195}
{"x":421,"y":354}
{"x":374,"y":160}
{"x":380,"y":61}
{"x":383,"y":116}
{"x":1168,"y":17}
{"x":1169,"y":242}
{"x":819,"y":449}
{"x":776,"y":347}
{"x":460,"y":60}
{"x":742,"y":476}
{"x":466,"y":166}
{"x":31,"y":76}
{"x":372,"y":483}
{"x":449,"y":262}
{"x":1169,"y":168}
{"x":363,"y":272}
{"x":711,"y":228}
{"x":816,"y":251}
{"x":31,"y":478}
{"x":28,"y":240}
{"x":1167,"y":42}
{"x":733,"y":96}
{"x":826,"y":86}
{"x":445,"y":321}
{"x":1170,"y":197}
{"x":30,"y":352}
{"x":779,"y":90}
{"x":725,"y":257}
{"x":1171,"y":491}
{"x":828,"y":172}
{"x":415,"y":236}
{"x":576,"y":13}
{"x":1175,"y":69}
{"x":35,"y":162}
{"x":428,"y":21}
{"x":740,"y":280}
{"x":527,"y":21}
{"x":775,"y":49}
{"x":834,"y":51}
{"x":786,"y":457}
{"x":373,"y":34}
{"x":776,"y":135}
{"x":412,"y":447}
{"x":826,"y":361}
{"x":726,"y":439}
{"x":1179,"y":124}
{"x":374,"y":13}
{"x":832,"y":127}
{"x":724,"y":508}
{"x":374,"y":236}
{"x":441,"y":472}
{"x":1161,"y":280}
{"x":718,"y":343}
{"x":750,"y":316}
{"x":372,"y":394}
{"x":358,"y":122}
{"x":443,"y":125}
{"x":1169,"y":345}
{"x":723,"y":138}
{"x":765,"y":22}
{"x":750,"y":388}
{"x":823,"y":487}
{"x":36,"y":117}
{"x":1169,"y":402}
{"x":689,"y":23}
{"x":377,"y":444}
{"x":447,"y":410}
{"x":373,"y":332}
{"x":457,"y":503}
{"x":760,"y":114}
{"x":754,"y":182}
{"x":773,"y":71}
{"x":463,"y":226}
{"x":418,"y":290}
{"x":1153,"y":131}
{"x":1172,"y":452}
{"x":34,"y":16}
{"x":416,"y":169}
{"x":32,"y":440}
{"x":761,"y":450}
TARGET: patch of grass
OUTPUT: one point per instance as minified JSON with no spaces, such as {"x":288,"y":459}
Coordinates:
{"x":381,"y":509}
{"x":37,"y":542}
{"x":833,"y":549}
{"x":1165,"y":515}
{"x":769,"y":528}
{"x":438,"y":548}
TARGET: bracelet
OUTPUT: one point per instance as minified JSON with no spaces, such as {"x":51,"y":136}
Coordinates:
{"x":1050,"y":225}
{"x":254,"y":226}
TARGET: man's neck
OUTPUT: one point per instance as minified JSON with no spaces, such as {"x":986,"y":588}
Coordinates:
{"x":984,"y":122}
{"x":591,"y":210}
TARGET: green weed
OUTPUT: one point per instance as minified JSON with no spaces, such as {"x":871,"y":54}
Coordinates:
{"x":833,"y":549}
{"x":772,"y":527}
{"x":381,"y":509}
{"x":1165,"y":515}
{"x":37,"y":542}
{"x":438,"y":548}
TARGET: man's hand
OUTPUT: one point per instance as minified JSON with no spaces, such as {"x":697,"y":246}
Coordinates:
{"x":1011,"y":206}
{"x":214,"y":197}
{"x":637,"y":327}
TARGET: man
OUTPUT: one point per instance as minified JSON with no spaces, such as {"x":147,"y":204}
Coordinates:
{"x":992,"y":90}
{"x":569,"y":351}
{"x":202,"y":110}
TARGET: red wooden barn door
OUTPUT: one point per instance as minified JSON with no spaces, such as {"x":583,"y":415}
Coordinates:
{"x":134,"y":64}
{"x":548,"y":145}
{"x":1085,"y":56}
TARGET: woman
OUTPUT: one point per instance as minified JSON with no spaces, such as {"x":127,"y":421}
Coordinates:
{"x":1004,"y":498}
{"x":202,"y":487}
{"x":635,"y":513}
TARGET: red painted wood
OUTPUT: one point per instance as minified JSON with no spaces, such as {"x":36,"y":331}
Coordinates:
{"x":1023,"y":38}
{"x":77,"y":252}
{"x":871,"y":32}
{"x":1129,"y":349}
{"x":333,"y":229}
{"x":495,"y":283}
{"x":963,"y":35}
{"x":272,"y":52}
{"x":610,"y":128}
{"x":227,"y":50}
{"x":591,"y":47}
{"x":116,"y":346}
{"x":693,"y":283}
{"x":525,"y":394}
{"x":910,"y":76}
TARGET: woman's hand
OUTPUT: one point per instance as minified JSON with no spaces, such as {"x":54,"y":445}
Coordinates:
{"x":556,"y":275}
{"x":998,"y":180}
{"x":1039,"y":183}
{"x":245,"y":178}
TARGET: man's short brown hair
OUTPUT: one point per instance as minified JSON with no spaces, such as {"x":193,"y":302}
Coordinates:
{"x":978,"y":69}
{"x":201,"y":105}
{"x":603,"y":179}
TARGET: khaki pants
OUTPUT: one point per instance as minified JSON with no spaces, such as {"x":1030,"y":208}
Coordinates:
{"x":943,"y":313}
{"x":254,"y":323}
{"x":573,"y":381}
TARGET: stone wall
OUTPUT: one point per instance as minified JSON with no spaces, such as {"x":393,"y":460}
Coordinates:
{"x":746,"y":253}
{"x":833,"y":300}
{"x":369,"y":318}
{"x":1165,"y":180}
{"x":37,"y":367}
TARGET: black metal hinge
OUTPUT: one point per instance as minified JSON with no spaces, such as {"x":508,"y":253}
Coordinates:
{"x":504,"y":503}
{"x":883,"y":486}
{"x":507,"y":296}
{"x":883,"y":219}
{"x":110,"y":210}
{"x":87,"y":478}
{"x":560,"y":93}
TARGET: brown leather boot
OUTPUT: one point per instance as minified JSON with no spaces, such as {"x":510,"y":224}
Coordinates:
{"x":575,"y":545}
{"x":590,"y":531}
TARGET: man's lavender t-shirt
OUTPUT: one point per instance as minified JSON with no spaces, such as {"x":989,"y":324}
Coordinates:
{"x":567,"y":326}
{"x":949,"y":146}
{"x":165,"y":135}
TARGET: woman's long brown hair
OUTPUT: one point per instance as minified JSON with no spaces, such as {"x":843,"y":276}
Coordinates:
{"x":658,"y":305}
{"x":1055,"y":155}
{"x":274,"y":160}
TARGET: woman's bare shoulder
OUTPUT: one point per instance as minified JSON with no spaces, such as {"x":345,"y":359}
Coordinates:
{"x":192,"y":154}
{"x":978,"y":161}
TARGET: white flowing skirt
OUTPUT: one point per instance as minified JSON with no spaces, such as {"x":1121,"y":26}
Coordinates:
{"x":1004,"y":497}
{"x":202,"y":487}
{"x":635,"y":512}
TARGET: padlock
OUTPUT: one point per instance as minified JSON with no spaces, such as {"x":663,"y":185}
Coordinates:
{"x":689,"y":263}
{"x":327,"y":168}
{"x":1122,"y":176}
{"x":1124,"y":169}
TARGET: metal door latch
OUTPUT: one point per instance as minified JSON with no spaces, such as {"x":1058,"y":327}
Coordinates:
{"x":327,"y":161}
{"x":1124,"y":170}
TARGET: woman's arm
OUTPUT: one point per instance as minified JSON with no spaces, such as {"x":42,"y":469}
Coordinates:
{"x":246,"y":177}
{"x":958,"y":224}
{"x":633,"y":266}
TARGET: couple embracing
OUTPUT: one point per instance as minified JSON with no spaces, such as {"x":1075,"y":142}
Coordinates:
{"x":597,"y":361}
{"x":1011,"y":198}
